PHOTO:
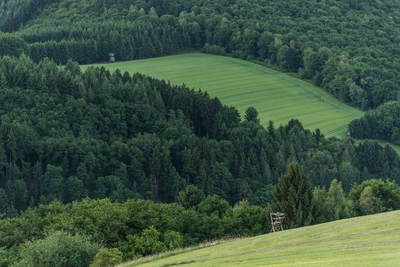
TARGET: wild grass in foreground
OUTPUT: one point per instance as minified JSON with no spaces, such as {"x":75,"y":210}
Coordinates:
{"x":179,"y":251}
{"x":275,"y":95}
{"x":363,"y":241}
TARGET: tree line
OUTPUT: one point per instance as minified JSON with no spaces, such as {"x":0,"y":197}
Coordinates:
{"x":382,"y":123}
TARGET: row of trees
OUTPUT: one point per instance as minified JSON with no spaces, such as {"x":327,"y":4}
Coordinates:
{"x":382,"y":123}
{"x":68,"y":135}
{"x":135,"y":228}
{"x":348,"y":48}
{"x":305,"y":205}
{"x":88,"y":42}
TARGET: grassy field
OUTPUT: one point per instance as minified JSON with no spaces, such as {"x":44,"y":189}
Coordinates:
{"x":276,"y":96}
{"x":363,"y":241}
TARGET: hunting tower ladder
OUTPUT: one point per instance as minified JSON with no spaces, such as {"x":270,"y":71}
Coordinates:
{"x":277,"y":221}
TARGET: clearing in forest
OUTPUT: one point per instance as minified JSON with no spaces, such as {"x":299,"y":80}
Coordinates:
{"x":276,"y":96}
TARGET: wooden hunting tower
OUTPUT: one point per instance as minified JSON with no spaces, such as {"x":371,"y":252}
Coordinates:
{"x":277,"y":221}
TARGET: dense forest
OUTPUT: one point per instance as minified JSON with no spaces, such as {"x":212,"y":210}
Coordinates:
{"x":120,"y":165}
{"x":68,"y":135}
{"x":347,"y":47}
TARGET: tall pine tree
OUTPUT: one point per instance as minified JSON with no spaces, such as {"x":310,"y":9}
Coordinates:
{"x":294,"y":196}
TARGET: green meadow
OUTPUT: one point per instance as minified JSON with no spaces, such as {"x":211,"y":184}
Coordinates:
{"x":363,"y":241}
{"x":275,"y":95}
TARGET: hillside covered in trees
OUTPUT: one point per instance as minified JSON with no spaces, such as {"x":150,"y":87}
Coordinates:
{"x":122,"y":160}
{"x":69,"y":135}
{"x":347,"y":47}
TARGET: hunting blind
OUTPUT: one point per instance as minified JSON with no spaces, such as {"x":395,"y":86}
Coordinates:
{"x":277,"y":221}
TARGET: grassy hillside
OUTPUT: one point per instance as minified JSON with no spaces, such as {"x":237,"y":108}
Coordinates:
{"x":364,"y":241}
{"x":276,"y":96}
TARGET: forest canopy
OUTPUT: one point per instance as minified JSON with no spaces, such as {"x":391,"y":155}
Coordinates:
{"x":68,"y":135}
{"x":349,"y":48}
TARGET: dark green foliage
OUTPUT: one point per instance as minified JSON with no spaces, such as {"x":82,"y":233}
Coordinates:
{"x":173,"y":240}
{"x":16,"y":13}
{"x":67,"y":135}
{"x":376,"y":159}
{"x":294,"y":196}
{"x":331,"y":205}
{"x":263,"y":196}
{"x":213,"y":205}
{"x":382,"y":123}
{"x":137,"y":39}
{"x":249,"y":219}
{"x":374,"y":196}
{"x":251,"y":114}
{"x":191,"y":197}
{"x":51,"y":183}
{"x":12,"y":45}
{"x":6,"y":257}
{"x":58,"y":250}
{"x":135,"y":227}
{"x":148,"y":242}
{"x":321,"y":41}
{"x":139,"y":227}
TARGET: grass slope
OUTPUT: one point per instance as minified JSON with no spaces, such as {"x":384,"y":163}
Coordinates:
{"x":363,"y":241}
{"x":276,"y":96}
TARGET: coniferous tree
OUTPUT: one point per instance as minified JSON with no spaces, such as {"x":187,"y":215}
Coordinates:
{"x":251,"y":114}
{"x":294,"y":196}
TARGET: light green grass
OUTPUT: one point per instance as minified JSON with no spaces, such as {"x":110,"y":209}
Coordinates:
{"x":363,"y":241}
{"x":275,"y":95}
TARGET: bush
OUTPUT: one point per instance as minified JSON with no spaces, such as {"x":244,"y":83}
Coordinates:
{"x":214,"y":49}
{"x":369,"y":203}
{"x":107,"y":257}
{"x":374,"y":196}
{"x":58,"y":250}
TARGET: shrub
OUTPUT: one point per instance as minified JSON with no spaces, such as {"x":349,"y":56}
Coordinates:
{"x":58,"y":250}
{"x":107,"y":257}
